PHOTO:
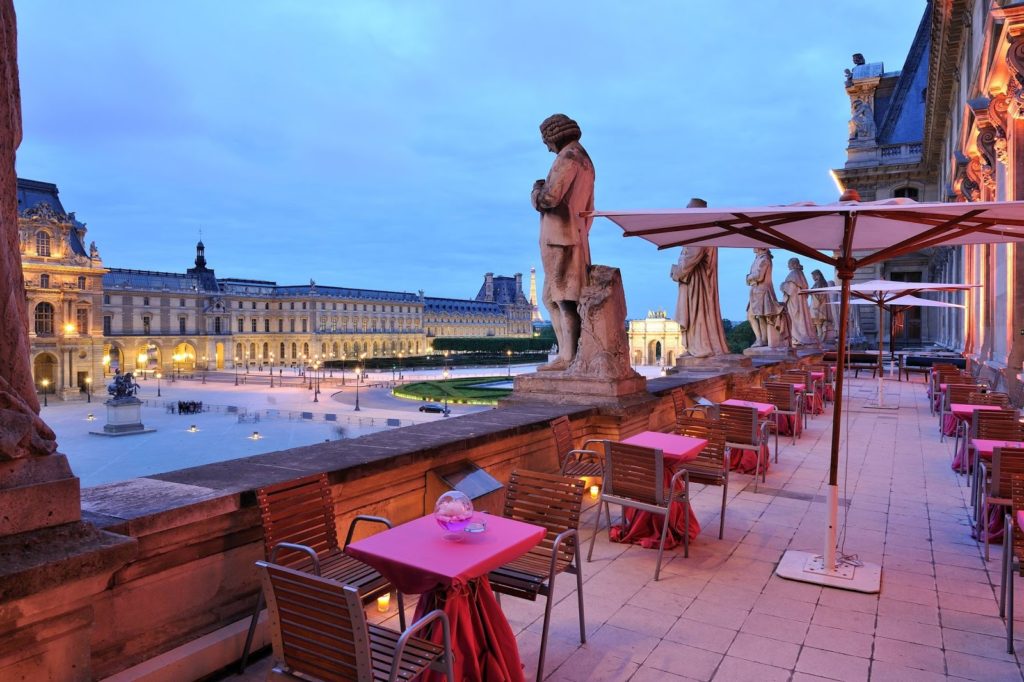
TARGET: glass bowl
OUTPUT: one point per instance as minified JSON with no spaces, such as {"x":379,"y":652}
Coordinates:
{"x":453,"y":511}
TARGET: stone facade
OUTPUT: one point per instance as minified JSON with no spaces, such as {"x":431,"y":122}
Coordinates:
{"x":655,"y":340}
{"x":87,"y":320}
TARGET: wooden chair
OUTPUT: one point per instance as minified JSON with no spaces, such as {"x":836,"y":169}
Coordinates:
{"x":711,"y":467}
{"x":299,"y":533}
{"x":743,"y":431}
{"x":944,"y":375}
{"x":1006,"y":462}
{"x":807,"y":401}
{"x":955,"y":393}
{"x":1014,"y":387}
{"x":682,"y":411}
{"x":553,"y":502}
{"x":991,"y":425}
{"x":827,"y":382}
{"x":1013,"y":549}
{"x":576,"y":463}
{"x":319,"y":631}
{"x":787,"y":404}
{"x":755,"y":394}
{"x":635,"y":478}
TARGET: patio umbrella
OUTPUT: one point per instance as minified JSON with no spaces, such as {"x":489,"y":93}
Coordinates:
{"x":886,"y":228}
{"x":883,"y":293}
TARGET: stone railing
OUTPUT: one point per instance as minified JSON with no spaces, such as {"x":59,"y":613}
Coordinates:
{"x":181,"y":604}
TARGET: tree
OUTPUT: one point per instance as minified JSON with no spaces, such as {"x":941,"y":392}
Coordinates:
{"x":740,"y":337}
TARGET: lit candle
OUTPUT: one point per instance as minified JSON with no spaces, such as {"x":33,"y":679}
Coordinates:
{"x":383,"y":602}
{"x":594,"y":491}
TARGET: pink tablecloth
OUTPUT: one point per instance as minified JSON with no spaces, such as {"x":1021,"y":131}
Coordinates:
{"x":643,"y":528}
{"x":763,"y":409}
{"x":418,"y":559}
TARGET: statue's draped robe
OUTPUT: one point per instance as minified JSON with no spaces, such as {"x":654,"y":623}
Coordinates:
{"x":821,"y":315}
{"x":697,"y":308}
{"x":802,"y":328}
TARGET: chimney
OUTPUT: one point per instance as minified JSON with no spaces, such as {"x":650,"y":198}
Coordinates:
{"x":489,"y":287}
{"x":519,"y":295}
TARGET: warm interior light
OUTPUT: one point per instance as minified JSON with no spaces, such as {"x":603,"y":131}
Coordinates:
{"x":595,"y":490}
{"x":69,"y":328}
{"x":45,"y":382}
{"x":383,"y":602}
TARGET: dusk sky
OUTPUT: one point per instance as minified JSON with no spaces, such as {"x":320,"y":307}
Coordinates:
{"x":393,"y":145}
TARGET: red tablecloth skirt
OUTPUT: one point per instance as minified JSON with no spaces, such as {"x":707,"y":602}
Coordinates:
{"x":483,"y":642}
{"x":815,"y":402}
{"x":949,"y":424}
{"x":993,"y":523}
{"x":788,"y":422}
{"x":964,"y":458}
{"x":745,"y":461}
{"x":829,"y":393}
{"x":644,"y":528}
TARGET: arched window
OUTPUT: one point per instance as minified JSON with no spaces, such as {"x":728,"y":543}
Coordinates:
{"x":42,"y":244}
{"x":281,"y":355}
{"x":266,"y":352}
{"x":907,"y":192}
{"x":252,"y":351}
{"x":44,"y":319}
{"x":305,"y":350}
{"x":334,"y":350}
{"x":295,"y":351}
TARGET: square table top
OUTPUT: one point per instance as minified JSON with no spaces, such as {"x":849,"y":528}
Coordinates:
{"x":963,"y":410}
{"x":984,"y":446}
{"x":417,"y":558}
{"x":763,"y":409}
{"x":817,"y":375}
{"x":672,"y":446}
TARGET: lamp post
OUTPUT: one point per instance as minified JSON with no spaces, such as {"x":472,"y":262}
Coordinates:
{"x":271,"y":370}
{"x":509,"y":354}
{"x":106,"y":364}
{"x":46,"y":385}
{"x":400,"y":376}
{"x":159,"y":375}
{"x":88,"y":389}
{"x":316,"y":391}
{"x":446,"y":375}
{"x":236,"y":370}
{"x":141,"y":363}
{"x":359,"y":379}
{"x":205,"y":366}
{"x":174,"y":365}
{"x":344,"y":357}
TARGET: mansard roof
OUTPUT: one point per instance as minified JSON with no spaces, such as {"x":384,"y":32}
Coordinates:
{"x":346,"y":292}
{"x":505,"y":291}
{"x":460,"y":305}
{"x":149,"y":280}
{"x":900,"y":98}
{"x":32,"y":193}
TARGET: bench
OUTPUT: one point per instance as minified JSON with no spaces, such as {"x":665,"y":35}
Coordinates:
{"x":922,"y":364}
{"x":856,"y":360}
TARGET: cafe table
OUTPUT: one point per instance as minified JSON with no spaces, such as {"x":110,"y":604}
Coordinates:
{"x":643,"y":528}
{"x":745,"y":461}
{"x":992,"y":514}
{"x":961,"y":414}
{"x":449,"y":571}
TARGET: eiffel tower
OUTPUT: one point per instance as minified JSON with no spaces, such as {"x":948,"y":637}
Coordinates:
{"x":536,"y":317}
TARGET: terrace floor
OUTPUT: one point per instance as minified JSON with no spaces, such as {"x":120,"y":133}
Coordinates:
{"x":721,"y":614}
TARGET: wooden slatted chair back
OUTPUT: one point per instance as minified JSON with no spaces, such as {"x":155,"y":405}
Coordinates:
{"x":997,"y":425}
{"x":678,"y":402}
{"x":738,"y":424}
{"x":1017,"y":496}
{"x":711,"y":430}
{"x":1006,"y":462}
{"x":989,"y":398}
{"x":959,"y":393}
{"x":548,"y":500}
{"x":561,"y":430}
{"x":797,"y":375}
{"x":635,"y":472}
{"x":1014,"y":387}
{"x":826,"y":371}
{"x":300,"y":512}
{"x":755,"y":394}
{"x":317,"y":626}
{"x":782,"y":396}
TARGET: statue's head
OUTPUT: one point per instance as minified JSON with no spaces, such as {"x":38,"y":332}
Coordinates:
{"x":697,"y":203}
{"x":762,"y":251}
{"x":819,"y":279}
{"x":559,"y":130}
{"x":794,"y":264}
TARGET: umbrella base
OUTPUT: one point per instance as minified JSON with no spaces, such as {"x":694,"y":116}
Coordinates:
{"x":809,"y":567}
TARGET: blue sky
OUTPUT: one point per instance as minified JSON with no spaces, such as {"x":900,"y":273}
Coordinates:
{"x":393,"y":145}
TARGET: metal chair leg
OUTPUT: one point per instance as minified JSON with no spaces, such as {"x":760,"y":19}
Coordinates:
{"x":686,"y":526}
{"x":597,"y":529}
{"x":1009,"y":609}
{"x":661,"y":545}
{"x":251,"y":633}
{"x":721,"y":522}
{"x":579,"y":596}
{"x":1003,"y":568}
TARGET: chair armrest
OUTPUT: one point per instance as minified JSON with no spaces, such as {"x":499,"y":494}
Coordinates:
{"x":685,"y":475}
{"x":586,"y":443}
{"x":559,"y":539}
{"x":436,"y":614}
{"x":296,"y":548}
{"x":368,"y":519}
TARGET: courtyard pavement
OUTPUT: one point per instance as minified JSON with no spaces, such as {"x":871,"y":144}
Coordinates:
{"x":721,"y":614}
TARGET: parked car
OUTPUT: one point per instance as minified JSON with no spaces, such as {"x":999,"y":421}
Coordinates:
{"x":432,"y":407}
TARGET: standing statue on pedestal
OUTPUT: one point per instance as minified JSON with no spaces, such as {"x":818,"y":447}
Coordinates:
{"x":697,"y":309}
{"x":801,"y":327}
{"x":766,"y":315}
{"x":564,"y":235}
{"x":821,"y":310}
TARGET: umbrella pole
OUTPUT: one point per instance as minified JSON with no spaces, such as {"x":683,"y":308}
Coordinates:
{"x":829,"y":554}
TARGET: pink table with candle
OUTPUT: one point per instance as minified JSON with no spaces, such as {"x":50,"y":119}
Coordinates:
{"x":643,"y":528}
{"x":992,"y":514}
{"x":745,"y":461}
{"x":418,"y":559}
{"x":763,"y":409}
{"x":960,"y":412}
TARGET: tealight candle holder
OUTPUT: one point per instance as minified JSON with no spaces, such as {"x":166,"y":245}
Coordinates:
{"x":384,"y":602}
{"x":595,"y":490}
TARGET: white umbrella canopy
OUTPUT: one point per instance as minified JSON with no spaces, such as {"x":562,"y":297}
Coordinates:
{"x":885,"y":228}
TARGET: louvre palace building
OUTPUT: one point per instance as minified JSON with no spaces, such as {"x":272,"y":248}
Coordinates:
{"x":87,"y":320}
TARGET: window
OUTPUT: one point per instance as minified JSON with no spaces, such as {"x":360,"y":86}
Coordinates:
{"x":81,"y":282}
{"x":266,"y":306}
{"x":44,"y":319}
{"x":253,"y":326}
{"x":145,"y":300}
{"x":44,"y":281}
{"x":241,"y":324}
{"x":181,"y":303}
{"x":280,"y":328}
{"x":304,"y":321}
{"x":82,"y":320}
{"x":145,"y":325}
{"x":907,"y":192}
{"x":216,"y":325}
{"x":239,"y":305}
{"x":323,"y":306}
{"x":335,"y":306}
{"x":295,"y":352}
{"x":107,"y":325}
{"x":292,"y":304}
{"x":280,"y":306}
{"x":303,"y":305}
{"x":291,"y":326}
{"x":106,"y":299}
{"x":254,"y":305}
{"x":281,"y":354}
{"x":181,"y":325}
{"x":266,"y":325}
{"x":42,"y":244}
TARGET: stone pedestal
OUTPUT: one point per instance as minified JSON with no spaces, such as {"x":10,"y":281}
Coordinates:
{"x":124,"y":418}
{"x":713,"y":363}
{"x":767,"y":353}
{"x":564,"y":388}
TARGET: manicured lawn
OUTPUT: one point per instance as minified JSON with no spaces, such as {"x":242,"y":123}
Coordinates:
{"x":466,"y":390}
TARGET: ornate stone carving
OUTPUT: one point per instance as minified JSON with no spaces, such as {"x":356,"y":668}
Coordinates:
{"x":44,"y":212}
{"x":796,"y":305}
{"x":766,"y":315}
{"x":698,"y":311}
{"x":604,"y":347}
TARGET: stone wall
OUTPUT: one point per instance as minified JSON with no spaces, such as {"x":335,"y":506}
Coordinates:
{"x":198,"y":530}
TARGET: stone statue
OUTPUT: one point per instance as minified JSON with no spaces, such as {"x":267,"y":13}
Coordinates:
{"x":94,"y":253}
{"x":766,"y":315}
{"x":796,"y":304}
{"x":22,"y":433}
{"x":123,"y":386}
{"x":697,"y":309}
{"x":862,"y":121}
{"x":821,"y":310}
{"x":564,"y":235}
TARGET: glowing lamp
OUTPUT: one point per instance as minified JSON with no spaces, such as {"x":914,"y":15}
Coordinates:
{"x":383,"y":602}
{"x":595,"y":490}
